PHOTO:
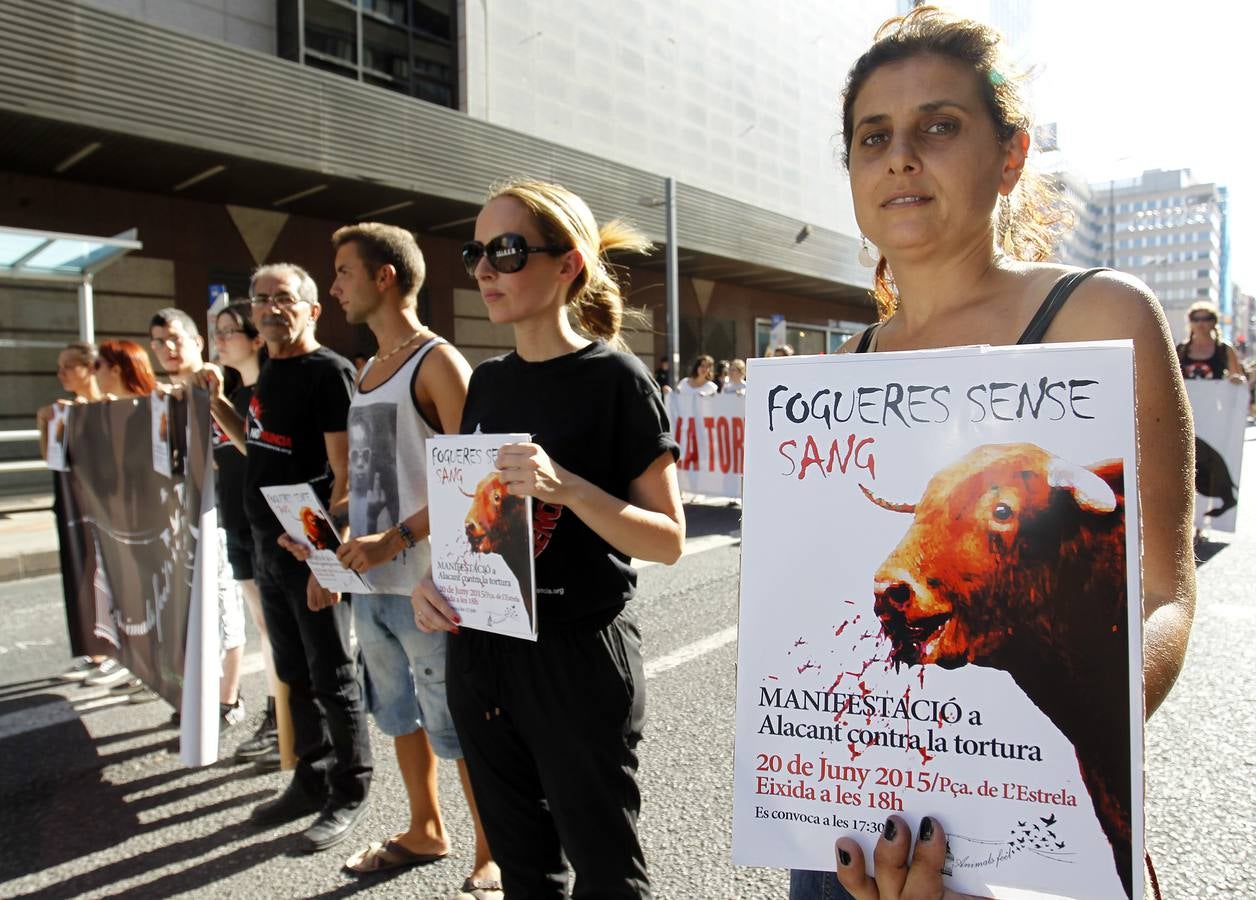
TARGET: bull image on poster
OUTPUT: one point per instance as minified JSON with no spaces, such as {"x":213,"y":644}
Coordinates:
{"x":936,"y":614}
{"x":1015,"y":559}
{"x":483,"y":544}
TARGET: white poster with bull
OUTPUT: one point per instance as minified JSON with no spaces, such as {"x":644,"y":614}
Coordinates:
{"x":711,"y":432}
{"x":1220,"y":412}
{"x":482,"y":540}
{"x":934,"y":616}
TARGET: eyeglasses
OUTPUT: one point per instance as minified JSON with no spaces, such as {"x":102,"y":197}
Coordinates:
{"x":174,"y":340}
{"x":225,"y":333}
{"x":1203,"y":318}
{"x":506,"y":253}
{"x":282,"y":298}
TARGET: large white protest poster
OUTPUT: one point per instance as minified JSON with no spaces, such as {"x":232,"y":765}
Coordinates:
{"x":482,"y":540}
{"x":936,"y":614}
{"x":711,"y":433}
{"x":1220,"y":412}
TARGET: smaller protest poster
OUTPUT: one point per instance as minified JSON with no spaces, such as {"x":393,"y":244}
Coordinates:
{"x":711,"y":432}
{"x":163,"y":457}
{"x":56,"y":457}
{"x":482,"y":544}
{"x":1220,"y":411}
{"x":939,"y":614}
{"x":304,"y":519}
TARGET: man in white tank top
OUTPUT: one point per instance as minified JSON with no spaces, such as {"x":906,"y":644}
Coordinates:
{"x":412,"y":388}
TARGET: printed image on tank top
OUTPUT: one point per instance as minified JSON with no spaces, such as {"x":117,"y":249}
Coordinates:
{"x":372,"y":468}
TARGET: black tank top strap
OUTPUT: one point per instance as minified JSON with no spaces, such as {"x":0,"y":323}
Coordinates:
{"x":1060,"y":291}
{"x":865,"y":339}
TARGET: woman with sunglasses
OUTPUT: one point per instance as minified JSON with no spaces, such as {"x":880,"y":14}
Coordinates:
{"x":936,"y":132}
{"x":123,"y":370}
{"x":550,"y":728}
{"x":1203,"y":354}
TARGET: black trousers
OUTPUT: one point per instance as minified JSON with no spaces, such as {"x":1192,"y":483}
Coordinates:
{"x":549,"y":731}
{"x":313,"y":657}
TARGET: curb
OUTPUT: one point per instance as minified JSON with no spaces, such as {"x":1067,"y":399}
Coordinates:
{"x":30,"y":565}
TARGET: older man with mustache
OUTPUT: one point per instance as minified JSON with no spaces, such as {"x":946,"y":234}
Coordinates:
{"x":296,"y":431}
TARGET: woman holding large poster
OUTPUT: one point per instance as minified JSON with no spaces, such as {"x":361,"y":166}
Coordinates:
{"x":936,"y":134}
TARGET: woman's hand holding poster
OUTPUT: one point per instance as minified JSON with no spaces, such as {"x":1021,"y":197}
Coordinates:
{"x":936,"y":614}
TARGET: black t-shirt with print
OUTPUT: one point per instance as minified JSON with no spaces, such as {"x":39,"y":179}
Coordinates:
{"x":232,"y":467}
{"x":598,"y":414}
{"x":296,"y":401}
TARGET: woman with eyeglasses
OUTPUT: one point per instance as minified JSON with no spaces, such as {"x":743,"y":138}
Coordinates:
{"x":550,"y":728}
{"x":1203,"y":354}
{"x":241,"y":351}
{"x":936,"y":132}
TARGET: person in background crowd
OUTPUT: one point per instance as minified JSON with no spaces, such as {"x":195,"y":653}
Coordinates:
{"x":1203,"y":354}
{"x":122,"y":371}
{"x":736,"y":383}
{"x":720,"y":377}
{"x":178,"y":346}
{"x":933,"y":117}
{"x":296,"y":432}
{"x":663,"y":374}
{"x":241,"y":349}
{"x":784,"y":350}
{"x":74,"y":371}
{"x":413,"y":389}
{"x":550,"y":728}
{"x":699,"y":379}
{"x":360,"y":360}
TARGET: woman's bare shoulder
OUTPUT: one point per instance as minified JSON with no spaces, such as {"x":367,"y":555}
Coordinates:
{"x":1109,"y":305}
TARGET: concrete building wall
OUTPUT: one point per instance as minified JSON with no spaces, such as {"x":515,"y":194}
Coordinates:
{"x":244,"y":23}
{"x":738,"y":98}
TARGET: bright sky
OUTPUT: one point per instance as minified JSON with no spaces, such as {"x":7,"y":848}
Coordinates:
{"x":1139,"y":86}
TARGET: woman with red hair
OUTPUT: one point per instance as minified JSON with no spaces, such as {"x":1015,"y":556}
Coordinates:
{"x":123,"y":370}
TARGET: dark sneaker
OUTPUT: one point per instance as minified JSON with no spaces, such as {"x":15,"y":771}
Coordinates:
{"x":232,"y":713}
{"x":269,"y":761}
{"x":82,"y":667}
{"x":293,"y":803}
{"x":263,"y":741}
{"x":333,"y":825}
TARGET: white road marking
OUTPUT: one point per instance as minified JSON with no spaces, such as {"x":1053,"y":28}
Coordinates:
{"x":689,"y":652}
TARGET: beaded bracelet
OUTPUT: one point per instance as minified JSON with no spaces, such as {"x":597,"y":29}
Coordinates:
{"x":406,"y":535}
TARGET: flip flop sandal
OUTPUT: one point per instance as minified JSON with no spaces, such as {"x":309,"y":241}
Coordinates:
{"x":382,"y":857}
{"x":480,"y":889}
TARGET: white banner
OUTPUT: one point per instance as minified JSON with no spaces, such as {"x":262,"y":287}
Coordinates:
{"x":711,"y":432}
{"x":1220,"y":412}
{"x":934,"y":616}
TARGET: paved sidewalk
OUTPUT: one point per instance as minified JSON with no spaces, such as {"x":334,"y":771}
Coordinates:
{"x":28,"y":537}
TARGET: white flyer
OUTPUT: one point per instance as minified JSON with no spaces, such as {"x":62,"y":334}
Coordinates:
{"x":304,"y":519}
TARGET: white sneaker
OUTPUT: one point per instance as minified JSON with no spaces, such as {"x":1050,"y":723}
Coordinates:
{"x":131,"y":685}
{"x":108,"y":672}
{"x":79,"y":669}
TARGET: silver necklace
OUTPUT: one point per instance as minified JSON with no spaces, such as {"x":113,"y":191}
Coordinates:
{"x":380,"y":357}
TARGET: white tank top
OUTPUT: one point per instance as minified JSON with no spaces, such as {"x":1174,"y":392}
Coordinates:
{"x":388,"y":468}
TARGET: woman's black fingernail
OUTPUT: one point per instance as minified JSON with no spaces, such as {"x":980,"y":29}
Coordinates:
{"x":843,"y":857}
{"x":926,"y":828}
{"x":890,"y":830}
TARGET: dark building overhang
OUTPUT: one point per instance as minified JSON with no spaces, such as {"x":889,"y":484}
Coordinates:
{"x":109,"y":100}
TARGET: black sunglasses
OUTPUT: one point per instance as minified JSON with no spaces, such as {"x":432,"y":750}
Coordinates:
{"x":506,"y":253}
{"x":1203,"y":318}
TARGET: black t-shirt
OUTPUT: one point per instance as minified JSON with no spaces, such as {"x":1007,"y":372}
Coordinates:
{"x":232,"y":467}
{"x":1211,"y":368}
{"x":598,"y":414}
{"x":296,"y":401}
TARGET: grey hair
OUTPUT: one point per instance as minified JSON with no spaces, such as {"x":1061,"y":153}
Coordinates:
{"x":307,"y":290}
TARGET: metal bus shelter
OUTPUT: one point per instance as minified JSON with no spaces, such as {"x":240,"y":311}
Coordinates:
{"x":56,"y":257}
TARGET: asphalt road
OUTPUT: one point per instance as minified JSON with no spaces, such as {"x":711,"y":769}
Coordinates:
{"x":93,"y":801}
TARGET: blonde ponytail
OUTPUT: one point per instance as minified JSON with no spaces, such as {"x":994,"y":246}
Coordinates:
{"x":596,"y":297}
